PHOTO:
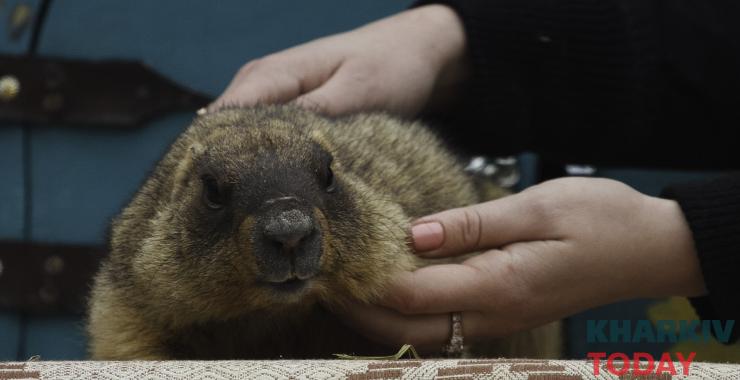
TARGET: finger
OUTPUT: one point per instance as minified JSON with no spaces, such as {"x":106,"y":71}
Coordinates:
{"x":280,"y":77}
{"x":427,"y":333}
{"x":437,"y":289}
{"x":388,"y":327}
{"x":518,"y":217}
{"x":269,"y":88}
{"x":521,"y":276}
{"x":338,"y":95}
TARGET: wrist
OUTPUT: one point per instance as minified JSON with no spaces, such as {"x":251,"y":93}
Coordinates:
{"x":445,"y":41}
{"x":454,"y":56}
{"x":678,"y":269}
{"x":445,"y":52}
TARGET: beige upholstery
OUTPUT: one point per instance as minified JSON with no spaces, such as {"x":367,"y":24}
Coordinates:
{"x":340,"y":369}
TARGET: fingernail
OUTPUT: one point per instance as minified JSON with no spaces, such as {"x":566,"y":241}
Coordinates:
{"x":427,"y":236}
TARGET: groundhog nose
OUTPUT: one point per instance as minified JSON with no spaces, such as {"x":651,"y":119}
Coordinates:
{"x":288,"y":228}
{"x":289,"y":244}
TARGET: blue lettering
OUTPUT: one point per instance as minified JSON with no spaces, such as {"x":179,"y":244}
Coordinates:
{"x":706,"y":330}
{"x":595,"y":331}
{"x":616,"y":330}
{"x":666,"y":329}
{"x":723,"y":335}
{"x":643,"y":332}
{"x":688,"y":330}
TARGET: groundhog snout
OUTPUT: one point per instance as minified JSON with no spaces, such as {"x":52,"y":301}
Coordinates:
{"x":288,"y":243}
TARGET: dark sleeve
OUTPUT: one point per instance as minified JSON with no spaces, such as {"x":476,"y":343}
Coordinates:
{"x":616,"y":82}
{"x":712,"y":209}
{"x":601,"y":81}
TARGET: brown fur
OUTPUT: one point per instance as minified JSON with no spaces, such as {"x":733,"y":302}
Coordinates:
{"x":181,"y":279}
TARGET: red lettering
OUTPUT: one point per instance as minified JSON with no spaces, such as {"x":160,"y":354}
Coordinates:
{"x":596,"y":356}
{"x":643,"y":363}
{"x":666,"y":365}
{"x":625,"y":363}
{"x":686,"y":362}
{"x":639,"y":356}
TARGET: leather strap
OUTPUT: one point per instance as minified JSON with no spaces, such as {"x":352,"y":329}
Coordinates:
{"x":46,"y":279}
{"x":113,"y":93}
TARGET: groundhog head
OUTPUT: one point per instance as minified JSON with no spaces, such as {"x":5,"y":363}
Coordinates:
{"x":256,"y":211}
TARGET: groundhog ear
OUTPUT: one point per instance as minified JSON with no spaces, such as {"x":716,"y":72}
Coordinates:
{"x":185,"y":167}
{"x":196,"y":150}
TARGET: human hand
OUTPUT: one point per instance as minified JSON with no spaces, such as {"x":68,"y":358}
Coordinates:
{"x":394,"y":64}
{"x":548,"y":252}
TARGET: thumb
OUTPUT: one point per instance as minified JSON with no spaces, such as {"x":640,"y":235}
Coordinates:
{"x":493,"y":224}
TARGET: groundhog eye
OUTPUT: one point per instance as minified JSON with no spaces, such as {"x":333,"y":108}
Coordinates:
{"x":331,"y":182}
{"x":213,"y":196}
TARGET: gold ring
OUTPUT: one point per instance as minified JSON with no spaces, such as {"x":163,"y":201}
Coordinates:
{"x":455,"y":347}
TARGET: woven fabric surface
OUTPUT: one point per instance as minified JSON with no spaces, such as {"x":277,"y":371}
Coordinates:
{"x":344,"y":369}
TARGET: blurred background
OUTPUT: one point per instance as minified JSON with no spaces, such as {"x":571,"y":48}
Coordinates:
{"x":71,"y":157}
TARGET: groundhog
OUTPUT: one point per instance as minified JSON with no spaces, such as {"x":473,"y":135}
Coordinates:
{"x":259,"y":221}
